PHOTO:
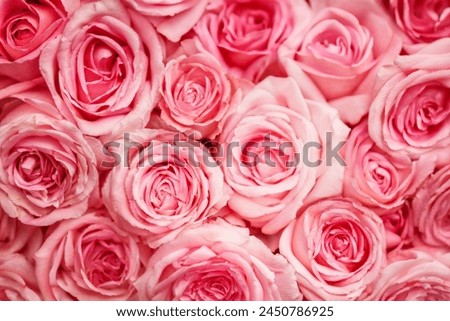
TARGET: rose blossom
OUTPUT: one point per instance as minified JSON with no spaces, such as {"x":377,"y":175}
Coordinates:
{"x":196,"y":94}
{"x":431,"y":207}
{"x":87,"y":258}
{"x":171,"y":18}
{"x":103,"y":71}
{"x":412,"y":275}
{"x":379,"y":179}
{"x":162,"y":185}
{"x":17,"y":237}
{"x":398,"y":225}
{"x":337,"y":248}
{"x":271,"y":184}
{"x":219,"y":262}
{"x":422,"y":21}
{"x":47,"y":170}
{"x":17,"y":279}
{"x":411,"y":111}
{"x":245,"y":34}
{"x":25,"y":27}
{"x":341,"y":51}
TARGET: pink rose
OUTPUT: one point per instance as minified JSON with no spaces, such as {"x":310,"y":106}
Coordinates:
{"x":17,"y":237}
{"x":103,"y":71}
{"x":245,"y":34}
{"x":412,"y":276}
{"x":431,"y":207}
{"x":337,"y":248}
{"x":17,"y":279}
{"x":379,"y":179}
{"x":341,"y":51}
{"x":411,"y":111}
{"x":171,"y":18}
{"x":25,"y":27}
{"x":398,"y":225}
{"x":47,"y":170}
{"x":161,"y":184}
{"x":217,"y":262}
{"x":422,"y":21}
{"x":268,"y":160}
{"x":196,"y":94}
{"x":87,"y":258}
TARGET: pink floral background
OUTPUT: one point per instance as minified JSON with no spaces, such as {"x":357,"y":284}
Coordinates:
{"x":133,"y":163}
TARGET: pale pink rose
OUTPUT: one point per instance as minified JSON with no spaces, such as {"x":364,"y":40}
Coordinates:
{"x":25,"y":27}
{"x":17,"y":279}
{"x":245,"y":34}
{"x":422,"y":21}
{"x":412,"y":275}
{"x":263,"y":153}
{"x":341,"y":51}
{"x":217,"y":262}
{"x":196,"y":94}
{"x":398,"y":226}
{"x":379,"y":179}
{"x":161,"y":185}
{"x":87,"y":258}
{"x":47,"y":170}
{"x":431,"y":207}
{"x":103,"y":70}
{"x":17,"y":237}
{"x":171,"y":18}
{"x":337,"y":248}
{"x":411,"y":111}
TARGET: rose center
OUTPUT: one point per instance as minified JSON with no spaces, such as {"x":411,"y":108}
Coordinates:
{"x":102,"y":263}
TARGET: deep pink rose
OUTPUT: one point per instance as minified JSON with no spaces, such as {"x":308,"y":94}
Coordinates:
{"x":25,"y":27}
{"x":431,"y":207}
{"x":337,"y":248}
{"x":217,"y":262}
{"x":196,"y":94}
{"x":161,"y":185}
{"x":47,"y":170}
{"x":422,"y":21}
{"x":17,"y":279}
{"x":412,"y":275}
{"x":341,"y":51}
{"x":379,"y":179}
{"x":103,"y":71}
{"x":171,"y":18}
{"x":87,"y":258}
{"x":411,"y":111}
{"x":264,"y":160}
{"x":245,"y":34}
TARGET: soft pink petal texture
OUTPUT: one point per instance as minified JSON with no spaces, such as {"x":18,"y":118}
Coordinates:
{"x":337,"y":249}
{"x":26,"y":28}
{"x":431,"y":208}
{"x":224,"y":254}
{"x":123,"y":100}
{"x":412,"y":275}
{"x":248,"y":49}
{"x":340,"y":53}
{"x":379,"y":179}
{"x":17,"y":279}
{"x":87,"y":258}
{"x":405,"y":93}
{"x":276,"y":106}
{"x":164,"y":187}
{"x":48,"y":169}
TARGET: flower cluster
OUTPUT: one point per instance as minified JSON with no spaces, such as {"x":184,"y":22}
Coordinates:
{"x":224,"y":150}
